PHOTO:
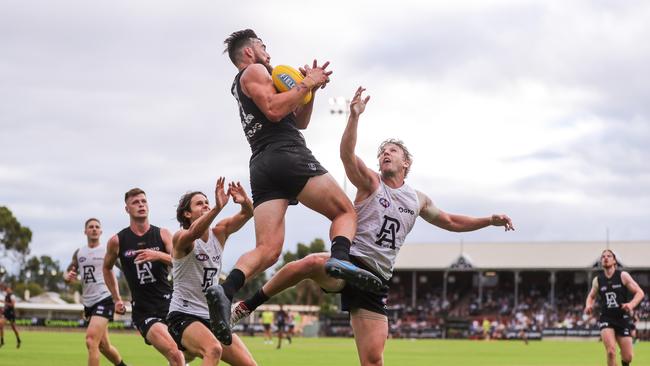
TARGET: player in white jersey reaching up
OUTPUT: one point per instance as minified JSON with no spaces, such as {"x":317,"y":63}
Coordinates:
{"x":97,"y":300}
{"x":386,"y":211}
{"x":196,"y":265}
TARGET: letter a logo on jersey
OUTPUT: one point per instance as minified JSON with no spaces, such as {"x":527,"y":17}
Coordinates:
{"x":144,"y":273}
{"x":89,"y":274}
{"x":208,"y":275}
{"x":386,"y":235}
{"x":611,"y":300}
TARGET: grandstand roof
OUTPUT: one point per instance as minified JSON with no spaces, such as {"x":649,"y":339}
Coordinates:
{"x":520,"y":255}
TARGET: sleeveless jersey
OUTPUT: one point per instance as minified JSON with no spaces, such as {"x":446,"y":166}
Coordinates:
{"x":8,"y":300}
{"x":612,"y":294}
{"x":258,"y":129}
{"x":150,"y":288}
{"x":90,"y":262}
{"x":193,"y":274}
{"x":383,"y":220}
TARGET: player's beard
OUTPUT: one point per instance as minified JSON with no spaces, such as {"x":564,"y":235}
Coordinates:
{"x":263,"y":62}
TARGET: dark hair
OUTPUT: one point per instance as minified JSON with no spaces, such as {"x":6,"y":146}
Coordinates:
{"x":132,"y":193}
{"x":238,"y":40}
{"x":184,"y":206}
{"x":91,"y":219}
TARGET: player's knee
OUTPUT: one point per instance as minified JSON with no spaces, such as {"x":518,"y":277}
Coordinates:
{"x":309,"y":264}
{"x":373,"y":359}
{"x":611,"y":352}
{"x":213,"y":351}
{"x":92,"y":341}
{"x":175,"y":357}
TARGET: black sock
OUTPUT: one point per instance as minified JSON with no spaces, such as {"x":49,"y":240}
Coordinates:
{"x":341,"y":248}
{"x":625,"y":363}
{"x":121,"y":363}
{"x":233,"y":283}
{"x":258,"y":298}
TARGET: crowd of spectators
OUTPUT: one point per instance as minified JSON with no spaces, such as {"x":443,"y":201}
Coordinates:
{"x":497,"y":314}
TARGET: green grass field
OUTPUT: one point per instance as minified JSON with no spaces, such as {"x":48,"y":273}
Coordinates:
{"x":67,"y":348}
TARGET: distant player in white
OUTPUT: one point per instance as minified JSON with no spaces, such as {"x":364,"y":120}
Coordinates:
{"x":386,"y":208}
{"x":87,"y":261}
{"x":196,"y":265}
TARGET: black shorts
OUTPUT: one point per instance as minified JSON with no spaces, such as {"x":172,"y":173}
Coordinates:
{"x":267,"y":326}
{"x":177,"y":322}
{"x":622,"y":326}
{"x":281,"y":327}
{"x":144,"y":322}
{"x":10,"y":314}
{"x":352,"y":298}
{"x":280,"y":171}
{"x":103,"y":308}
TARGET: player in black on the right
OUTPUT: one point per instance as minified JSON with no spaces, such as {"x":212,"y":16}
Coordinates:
{"x":618,"y":294}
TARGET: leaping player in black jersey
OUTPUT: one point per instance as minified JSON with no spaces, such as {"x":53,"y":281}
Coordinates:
{"x":283,"y":172}
{"x":197,"y":261}
{"x":88,"y":261}
{"x":386,"y":208}
{"x":144,"y":251}
{"x":618,"y":294}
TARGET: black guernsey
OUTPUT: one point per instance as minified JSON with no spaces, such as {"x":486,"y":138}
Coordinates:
{"x":8,"y":303}
{"x":259,"y":131}
{"x":150,"y":288}
{"x":612,"y":294}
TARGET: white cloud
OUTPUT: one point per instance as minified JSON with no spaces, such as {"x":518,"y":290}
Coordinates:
{"x":532,"y":108}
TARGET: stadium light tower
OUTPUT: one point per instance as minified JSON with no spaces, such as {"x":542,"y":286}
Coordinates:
{"x":341,"y":105}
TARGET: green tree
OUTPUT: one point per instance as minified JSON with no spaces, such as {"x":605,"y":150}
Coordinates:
{"x":44,"y":271}
{"x":14,"y":238}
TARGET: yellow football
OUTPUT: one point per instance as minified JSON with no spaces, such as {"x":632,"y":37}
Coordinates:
{"x":285,"y":78}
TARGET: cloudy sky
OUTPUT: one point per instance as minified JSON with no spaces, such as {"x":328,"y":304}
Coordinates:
{"x":536,"y":109}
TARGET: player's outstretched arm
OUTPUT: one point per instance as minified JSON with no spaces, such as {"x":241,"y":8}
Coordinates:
{"x":183,"y":240}
{"x":635,"y":289}
{"x":258,"y":85}
{"x":232,"y":224}
{"x":71,"y":272}
{"x":356,"y":170}
{"x":112,"y":253}
{"x":591,"y":297}
{"x":459,"y":223}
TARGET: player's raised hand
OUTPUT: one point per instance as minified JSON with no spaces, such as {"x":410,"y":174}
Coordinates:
{"x":237,"y":192}
{"x":220,"y":196}
{"x":239,"y":196}
{"x":502,"y":220}
{"x":318,"y":75}
{"x":358,"y":103}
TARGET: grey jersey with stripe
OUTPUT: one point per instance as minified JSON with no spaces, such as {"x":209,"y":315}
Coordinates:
{"x":90,"y":262}
{"x":383,"y":221}
{"x":193,"y":274}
